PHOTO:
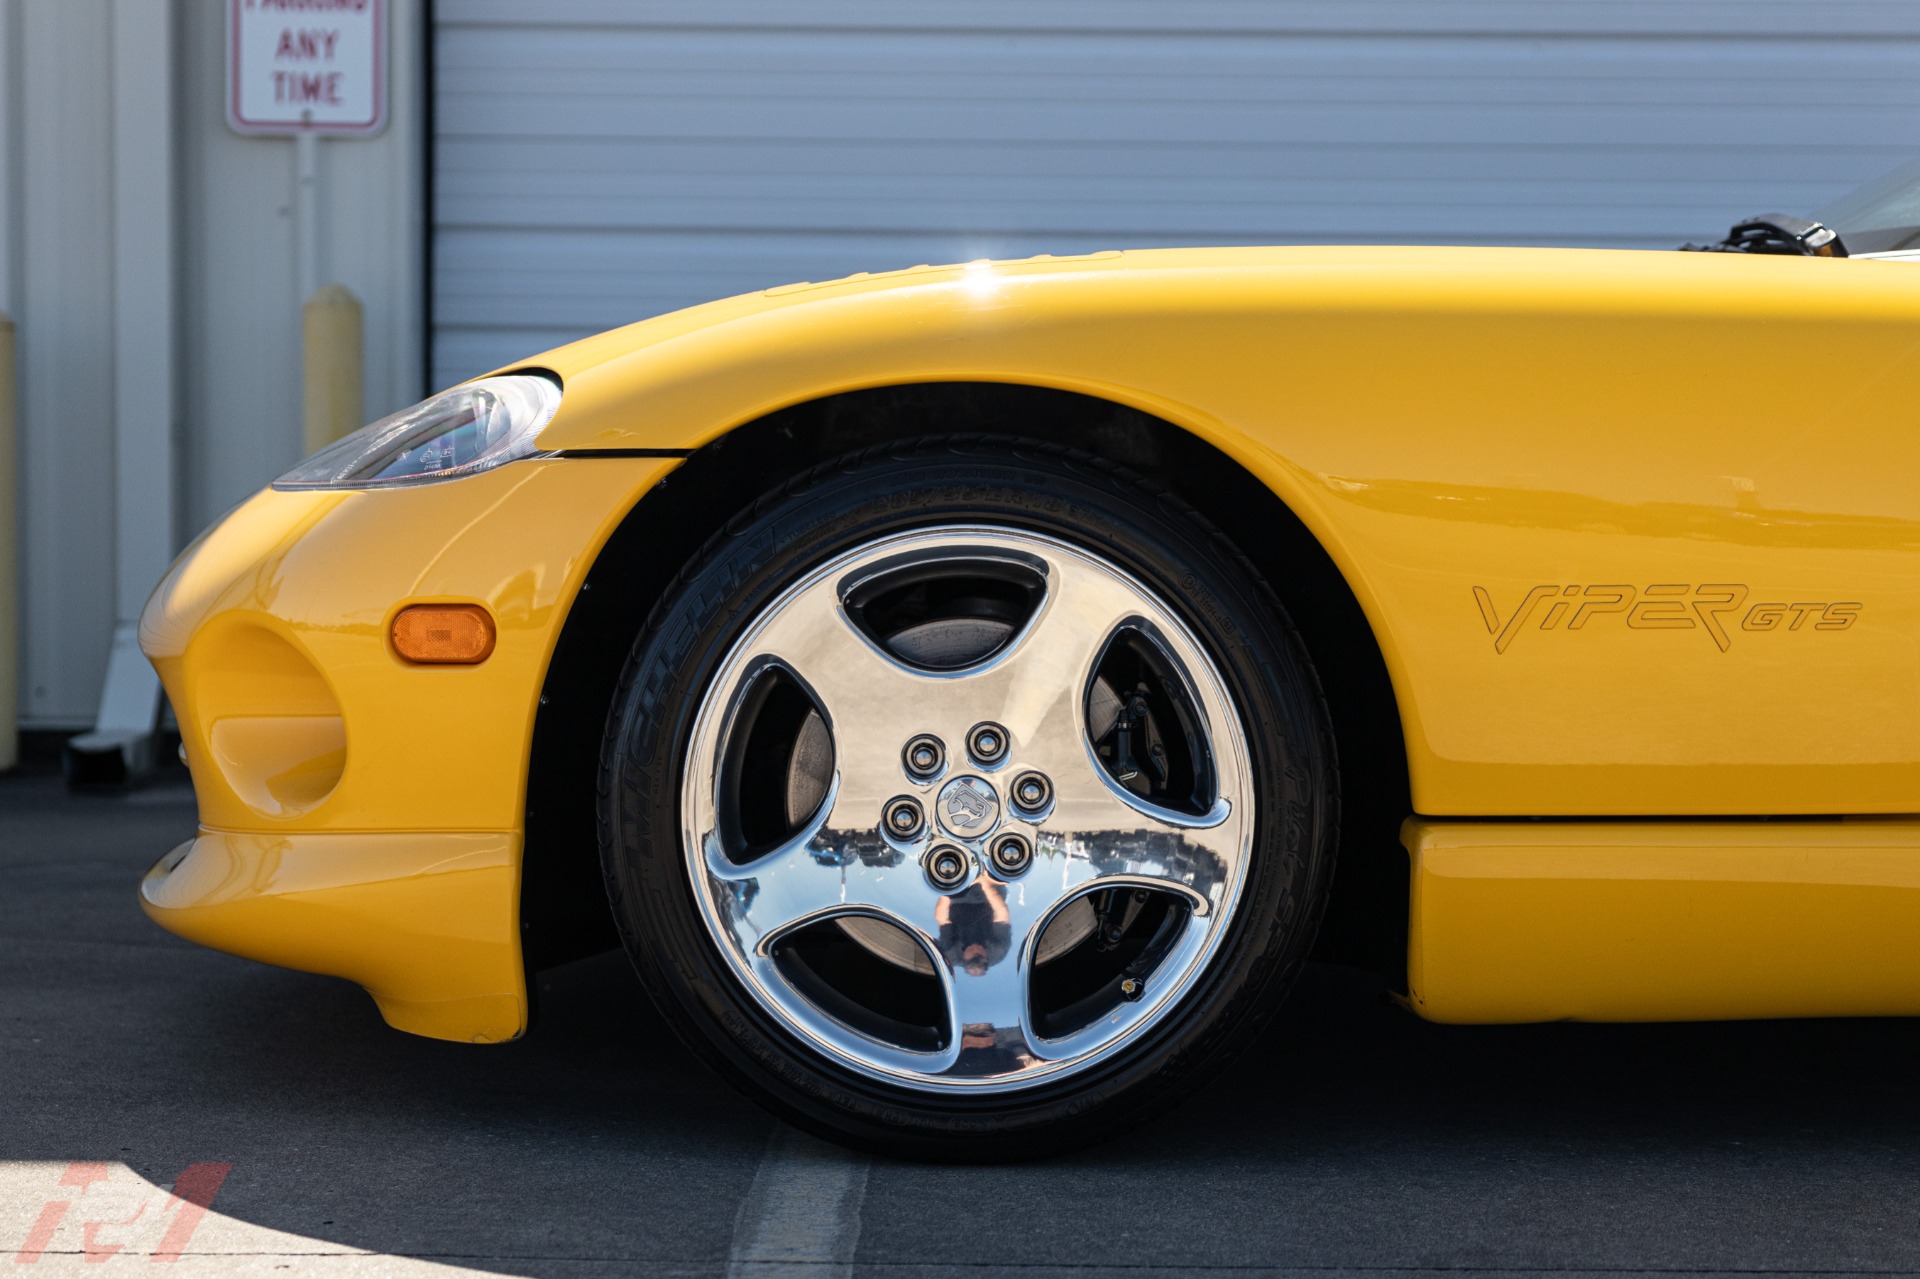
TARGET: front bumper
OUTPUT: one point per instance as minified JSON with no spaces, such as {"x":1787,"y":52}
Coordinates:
{"x":425,"y":922}
{"x":361,"y":816}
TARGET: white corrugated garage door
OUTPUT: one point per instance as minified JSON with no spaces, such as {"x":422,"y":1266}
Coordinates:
{"x":599,"y":161}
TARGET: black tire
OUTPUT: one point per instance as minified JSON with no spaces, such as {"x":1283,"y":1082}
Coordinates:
{"x":1041,"y":488}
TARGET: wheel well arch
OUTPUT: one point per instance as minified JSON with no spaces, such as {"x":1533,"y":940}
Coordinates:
{"x":563,"y":911}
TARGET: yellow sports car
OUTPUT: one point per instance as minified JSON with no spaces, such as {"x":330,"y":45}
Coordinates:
{"x":951,"y":685}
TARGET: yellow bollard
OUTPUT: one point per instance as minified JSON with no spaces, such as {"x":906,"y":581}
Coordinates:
{"x":331,"y":320}
{"x":9,"y":558}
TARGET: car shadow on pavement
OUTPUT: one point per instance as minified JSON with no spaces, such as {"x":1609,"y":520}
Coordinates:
{"x":1354,"y":1137}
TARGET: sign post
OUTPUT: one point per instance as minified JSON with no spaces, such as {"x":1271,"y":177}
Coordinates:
{"x":304,"y":69}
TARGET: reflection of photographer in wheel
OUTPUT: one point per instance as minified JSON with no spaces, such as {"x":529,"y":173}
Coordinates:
{"x":975,"y":928}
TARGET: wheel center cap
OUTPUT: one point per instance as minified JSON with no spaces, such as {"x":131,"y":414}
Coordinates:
{"x":967,"y":807}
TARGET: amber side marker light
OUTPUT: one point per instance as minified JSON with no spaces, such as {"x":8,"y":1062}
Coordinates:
{"x":443,"y":634}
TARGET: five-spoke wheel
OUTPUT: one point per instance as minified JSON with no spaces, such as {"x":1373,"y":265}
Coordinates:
{"x":1028,"y":820}
{"x":977,"y":811}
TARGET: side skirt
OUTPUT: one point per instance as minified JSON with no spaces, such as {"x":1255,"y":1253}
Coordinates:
{"x":1526,"y":921}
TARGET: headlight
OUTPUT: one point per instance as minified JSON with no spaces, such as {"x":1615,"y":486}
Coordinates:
{"x":469,"y":429}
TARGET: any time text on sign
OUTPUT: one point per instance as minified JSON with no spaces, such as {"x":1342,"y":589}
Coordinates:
{"x":300,"y":65}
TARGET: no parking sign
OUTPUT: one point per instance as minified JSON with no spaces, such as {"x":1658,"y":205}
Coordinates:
{"x":297,"y":66}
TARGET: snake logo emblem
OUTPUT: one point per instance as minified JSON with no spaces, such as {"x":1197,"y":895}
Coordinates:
{"x":968,"y":806}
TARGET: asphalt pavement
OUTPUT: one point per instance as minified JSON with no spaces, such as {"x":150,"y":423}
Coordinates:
{"x":301,"y":1136}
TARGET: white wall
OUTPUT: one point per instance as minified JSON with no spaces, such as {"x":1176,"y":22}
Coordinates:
{"x":235,"y":310}
{"x":240,"y":305}
{"x":63,"y":304}
{"x":604,"y":160}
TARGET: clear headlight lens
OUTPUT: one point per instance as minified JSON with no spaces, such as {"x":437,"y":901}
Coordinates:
{"x":469,"y":429}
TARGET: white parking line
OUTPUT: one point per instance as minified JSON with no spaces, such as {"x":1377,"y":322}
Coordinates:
{"x":801,"y":1217}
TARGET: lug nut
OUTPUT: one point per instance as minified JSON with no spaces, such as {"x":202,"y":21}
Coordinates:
{"x":924,"y":757}
{"x":1011,"y":854}
{"x":987,"y":742}
{"x":903,"y":817}
{"x":947,"y":867}
{"x":1032,"y":792}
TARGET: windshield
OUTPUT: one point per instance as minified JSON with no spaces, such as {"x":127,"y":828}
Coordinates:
{"x":1880,"y":217}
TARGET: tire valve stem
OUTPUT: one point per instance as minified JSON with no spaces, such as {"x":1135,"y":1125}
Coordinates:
{"x":1131,"y":988}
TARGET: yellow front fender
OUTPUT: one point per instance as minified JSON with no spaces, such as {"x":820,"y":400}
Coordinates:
{"x":1636,"y":532}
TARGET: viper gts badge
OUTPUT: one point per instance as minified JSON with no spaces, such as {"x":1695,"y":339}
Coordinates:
{"x":1719,"y":609}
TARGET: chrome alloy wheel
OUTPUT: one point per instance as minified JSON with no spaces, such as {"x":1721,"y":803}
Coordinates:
{"x":982,"y":801}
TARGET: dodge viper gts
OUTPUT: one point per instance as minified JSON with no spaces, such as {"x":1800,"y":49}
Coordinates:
{"x":952,"y":686}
